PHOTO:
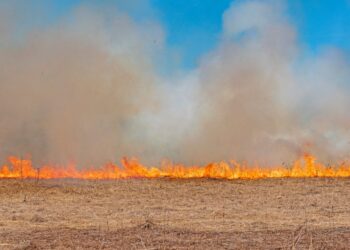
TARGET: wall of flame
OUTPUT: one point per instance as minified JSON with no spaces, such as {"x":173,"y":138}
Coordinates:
{"x":132,"y":168}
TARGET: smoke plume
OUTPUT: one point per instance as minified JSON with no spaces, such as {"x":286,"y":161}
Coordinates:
{"x":87,"y":89}
{"x":71,"y":91}
{"x":262,"y":100}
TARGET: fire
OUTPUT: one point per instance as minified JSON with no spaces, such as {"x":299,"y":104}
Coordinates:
{"x":302,"y":168}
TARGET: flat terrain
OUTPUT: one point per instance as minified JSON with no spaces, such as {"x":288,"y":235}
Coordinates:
{"x":175,"y":214}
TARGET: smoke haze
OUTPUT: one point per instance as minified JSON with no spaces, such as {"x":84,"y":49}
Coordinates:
{"x":88,"y":89}
{"x":70,"y":92}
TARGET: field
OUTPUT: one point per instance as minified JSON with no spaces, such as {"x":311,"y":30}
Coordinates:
{"x":166,"y":213}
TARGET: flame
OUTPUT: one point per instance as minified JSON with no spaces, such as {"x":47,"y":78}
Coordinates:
{"x":302,"y":168}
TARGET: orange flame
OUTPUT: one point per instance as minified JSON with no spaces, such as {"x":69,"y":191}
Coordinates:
{"x":305,"y":167}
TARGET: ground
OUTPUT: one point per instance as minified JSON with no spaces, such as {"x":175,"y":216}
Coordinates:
{"x":175,"y":214}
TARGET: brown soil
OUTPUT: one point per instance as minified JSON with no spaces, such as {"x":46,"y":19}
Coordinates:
{"x":175,"y":214}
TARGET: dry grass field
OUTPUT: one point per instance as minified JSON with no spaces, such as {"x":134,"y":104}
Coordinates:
{"x":175,"y":214}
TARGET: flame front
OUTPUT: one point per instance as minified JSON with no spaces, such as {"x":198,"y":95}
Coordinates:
{"x":305,"y":167}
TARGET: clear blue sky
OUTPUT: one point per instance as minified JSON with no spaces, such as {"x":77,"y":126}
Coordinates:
{"x":193,"y":26}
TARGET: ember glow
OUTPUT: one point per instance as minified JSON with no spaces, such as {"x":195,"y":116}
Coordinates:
{"x":302,"y":168}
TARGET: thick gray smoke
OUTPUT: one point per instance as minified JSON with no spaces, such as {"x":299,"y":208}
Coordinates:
{"x":260,"y":99}
{"x":257,"y":97}
{"x":71,"y":91}
{"x":87,"y":89}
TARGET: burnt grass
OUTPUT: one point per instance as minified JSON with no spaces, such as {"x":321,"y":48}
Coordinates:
{"x":175,"y":214}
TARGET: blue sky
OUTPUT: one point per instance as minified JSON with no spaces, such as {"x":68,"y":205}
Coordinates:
{"x":193,"y":27}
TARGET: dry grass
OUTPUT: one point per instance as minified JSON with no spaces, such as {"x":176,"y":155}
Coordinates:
{"x":175,"y":214}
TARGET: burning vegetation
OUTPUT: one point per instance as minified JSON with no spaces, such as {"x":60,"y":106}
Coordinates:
{"x":92,"y":86}
{"x":132,"y":168}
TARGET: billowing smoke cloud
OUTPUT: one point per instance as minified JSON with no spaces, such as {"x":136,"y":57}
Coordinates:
{"x":87,"y":89}
{"x":71,"y":90}
{"x":261,"y":100}
{"x":257,"y":97}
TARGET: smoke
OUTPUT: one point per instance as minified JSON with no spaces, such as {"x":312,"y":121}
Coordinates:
{"x":241,"y":110}
{"x":71,"y":91}
{"x":87,"y":89}
{"x":262,"y":100}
